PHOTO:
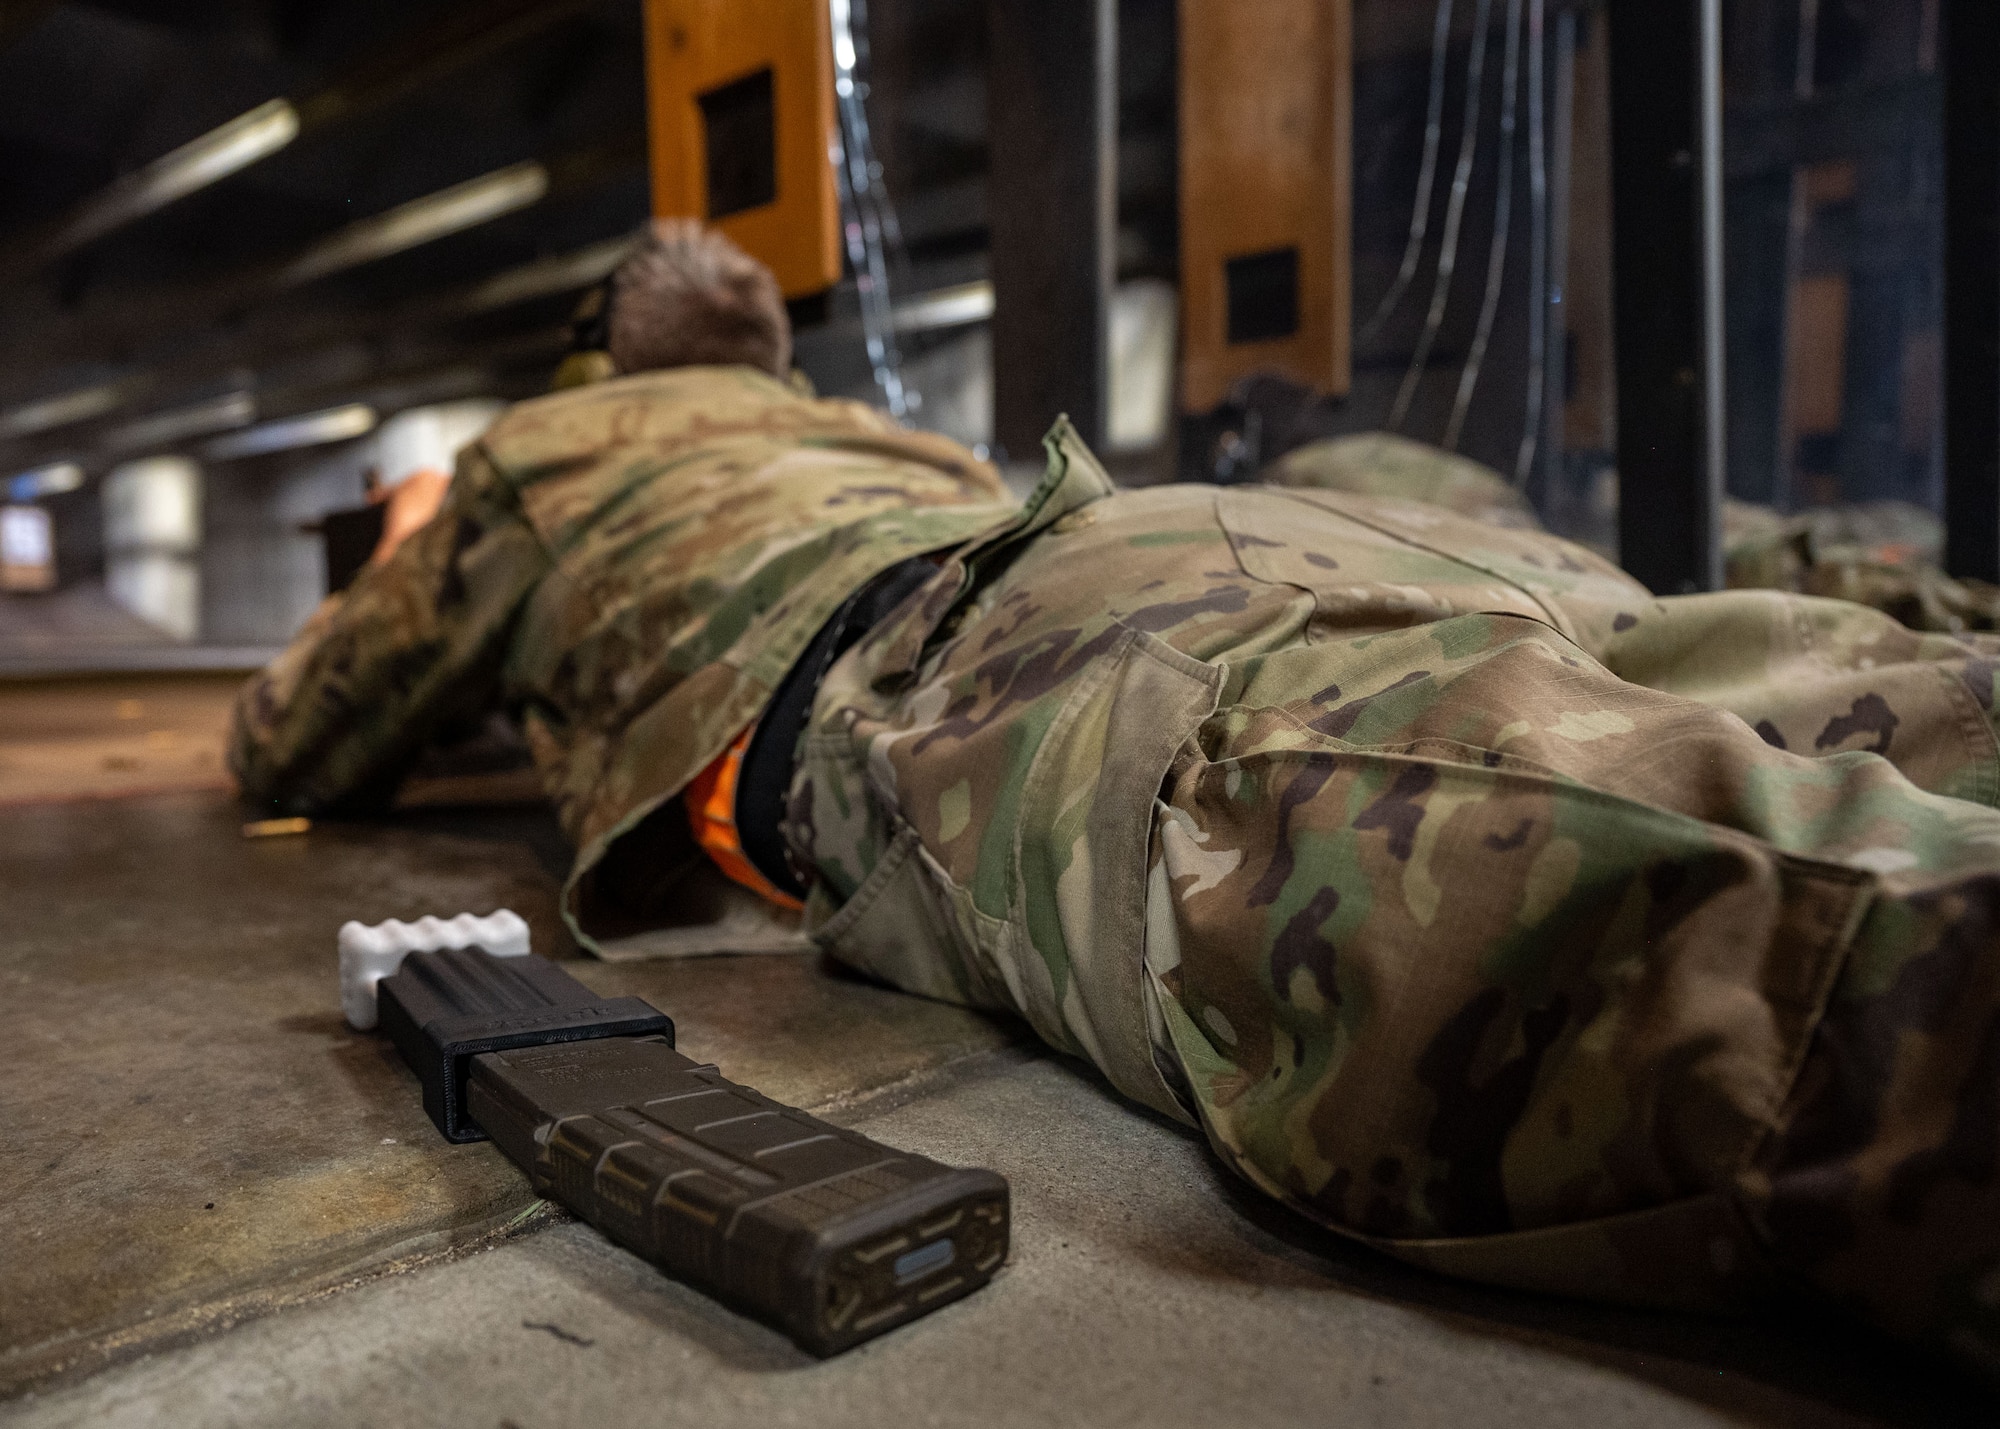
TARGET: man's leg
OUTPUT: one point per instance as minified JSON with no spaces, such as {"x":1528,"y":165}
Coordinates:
{"x":1448,"y":936}
{"x":1820,"y":677}
{"x":1539,"y":976}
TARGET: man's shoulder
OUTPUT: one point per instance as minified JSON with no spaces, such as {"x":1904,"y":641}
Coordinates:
{"x":594,"y":406}
{"x":666,"y":411}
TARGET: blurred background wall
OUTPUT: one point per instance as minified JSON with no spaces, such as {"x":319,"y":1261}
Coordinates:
{"x":250,"y":252}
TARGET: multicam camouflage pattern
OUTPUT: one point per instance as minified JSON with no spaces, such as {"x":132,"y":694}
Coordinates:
{"x":1473,"y":901}
{"x":632,"y":565}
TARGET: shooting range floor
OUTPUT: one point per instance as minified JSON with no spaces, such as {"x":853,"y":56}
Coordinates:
{"x":224,"y":1208}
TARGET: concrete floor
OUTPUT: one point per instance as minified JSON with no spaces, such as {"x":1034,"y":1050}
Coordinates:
{"x":224,"y":1208}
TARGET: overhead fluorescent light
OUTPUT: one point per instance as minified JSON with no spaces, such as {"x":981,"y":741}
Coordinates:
{"x":946,"y":307}
{"x":47,"y":413}
{"x":546,"y":277}
{"x":173,"y":176}
{"x":335,"y":424}
{"x":219,"y":414}
{"x":51,"y":480}
{"x":420,"y":221}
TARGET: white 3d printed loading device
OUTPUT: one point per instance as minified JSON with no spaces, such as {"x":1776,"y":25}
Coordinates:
{"x":367,"y":955}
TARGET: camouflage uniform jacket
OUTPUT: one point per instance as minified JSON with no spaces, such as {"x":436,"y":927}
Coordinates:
{"x":632,"y":566}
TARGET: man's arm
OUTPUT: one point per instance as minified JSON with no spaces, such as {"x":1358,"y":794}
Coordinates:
{"x":415,"y":642}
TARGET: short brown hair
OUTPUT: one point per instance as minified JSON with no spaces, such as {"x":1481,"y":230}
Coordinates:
{"x":687,"y":296}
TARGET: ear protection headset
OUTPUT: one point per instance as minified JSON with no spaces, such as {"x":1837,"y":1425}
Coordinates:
{"x":590,"y":327}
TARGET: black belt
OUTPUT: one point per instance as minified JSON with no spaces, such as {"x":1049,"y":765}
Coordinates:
{"x":765,"y":780}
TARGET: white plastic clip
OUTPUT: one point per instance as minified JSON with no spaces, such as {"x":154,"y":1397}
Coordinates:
{"x":367,"y":955}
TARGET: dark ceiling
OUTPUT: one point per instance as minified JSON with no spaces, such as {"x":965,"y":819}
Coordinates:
{"x":395,"y":101}
{"x":193,"y":305}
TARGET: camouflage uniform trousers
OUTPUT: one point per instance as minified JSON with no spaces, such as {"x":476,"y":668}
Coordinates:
{"x":1473,"y":902}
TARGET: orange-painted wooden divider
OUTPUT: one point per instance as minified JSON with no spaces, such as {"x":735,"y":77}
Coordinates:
{"x":741,"y":122}
{"x":1266,"y":120}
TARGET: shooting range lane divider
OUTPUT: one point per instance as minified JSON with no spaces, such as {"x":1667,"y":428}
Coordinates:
{"x":819,"y":1232}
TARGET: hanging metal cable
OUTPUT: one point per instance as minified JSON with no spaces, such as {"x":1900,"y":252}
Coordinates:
{"x":1550,"y":457}
{"x":868,"y":221}
{"x":892,"y":230}
{"x":1461,"y":183}
{"x":1503,"y":226}
{"x":1420,"y":213}
{"x":1539,"y":295}
{"x":1804,"y":81}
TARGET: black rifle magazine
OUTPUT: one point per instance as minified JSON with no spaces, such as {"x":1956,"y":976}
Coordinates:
{"x":817,"y":1230}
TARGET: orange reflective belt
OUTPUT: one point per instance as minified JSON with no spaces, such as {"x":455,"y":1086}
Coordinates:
{"x":711,"y":807}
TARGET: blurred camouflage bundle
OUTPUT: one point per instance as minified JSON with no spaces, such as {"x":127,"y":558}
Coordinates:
{"x":1884,"y":554}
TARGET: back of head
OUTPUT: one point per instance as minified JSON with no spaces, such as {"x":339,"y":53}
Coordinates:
{"x":687,"y":296}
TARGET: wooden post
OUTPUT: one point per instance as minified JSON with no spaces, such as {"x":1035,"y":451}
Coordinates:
{"x":1266,"y":116}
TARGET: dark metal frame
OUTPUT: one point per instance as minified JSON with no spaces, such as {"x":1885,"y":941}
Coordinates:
{"x":1667,"y":172}
{"x":1052,"y":132}
{"x":1969,"y":51}
{"x":1666,"y":145}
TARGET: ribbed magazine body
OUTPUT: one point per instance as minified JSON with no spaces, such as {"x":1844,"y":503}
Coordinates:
{"x":832,"y":1237}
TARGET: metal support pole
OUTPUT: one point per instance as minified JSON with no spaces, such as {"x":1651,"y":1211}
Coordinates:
{"x":1666,"y":158}
{"x":1052,"y":127}
{"x":1555,"y":389}
{"x":1970,"y":54}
